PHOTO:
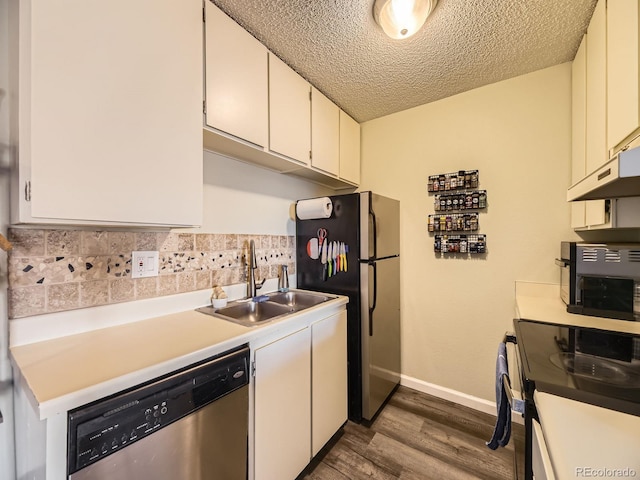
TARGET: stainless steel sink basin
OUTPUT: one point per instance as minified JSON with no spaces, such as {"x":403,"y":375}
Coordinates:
{"x":250,"y":313}
{"x":298,"y":300}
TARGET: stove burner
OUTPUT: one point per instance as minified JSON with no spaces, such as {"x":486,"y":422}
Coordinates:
{"x":596,"y":369}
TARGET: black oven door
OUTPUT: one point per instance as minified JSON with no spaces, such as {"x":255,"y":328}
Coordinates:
{"x":515,"y":394}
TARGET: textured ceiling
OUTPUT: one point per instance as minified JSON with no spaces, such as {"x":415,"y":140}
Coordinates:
{"x":337,"y":46}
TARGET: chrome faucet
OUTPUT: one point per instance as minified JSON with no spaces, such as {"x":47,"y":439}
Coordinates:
{"x":252,"y":285}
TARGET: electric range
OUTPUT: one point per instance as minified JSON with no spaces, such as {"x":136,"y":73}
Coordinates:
{"x":599,"y":367}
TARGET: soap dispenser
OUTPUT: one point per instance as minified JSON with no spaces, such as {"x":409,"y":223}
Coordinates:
{"x":283,"y":279}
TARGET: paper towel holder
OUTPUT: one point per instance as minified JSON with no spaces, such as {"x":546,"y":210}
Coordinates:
{"x":314,"y":208}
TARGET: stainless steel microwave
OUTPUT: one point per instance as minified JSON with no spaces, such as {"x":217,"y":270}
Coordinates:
{"x":602,"y":280}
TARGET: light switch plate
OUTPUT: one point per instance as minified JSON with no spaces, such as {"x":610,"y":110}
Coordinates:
{"x":144,"y":264}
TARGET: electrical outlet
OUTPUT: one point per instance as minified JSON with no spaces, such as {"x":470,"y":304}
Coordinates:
{"x":144,"y":264}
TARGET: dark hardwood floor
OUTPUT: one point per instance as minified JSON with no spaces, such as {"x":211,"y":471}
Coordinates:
{"x":416,"y":437}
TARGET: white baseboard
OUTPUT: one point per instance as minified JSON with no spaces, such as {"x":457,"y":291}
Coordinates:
{"x":479,"y":404}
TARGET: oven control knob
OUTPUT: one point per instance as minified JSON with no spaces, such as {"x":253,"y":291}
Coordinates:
{"x":104,"y":448}
{"x":163,"y":410}
{"x":124,"y":438}
{"x":94,"y":452}
{"x":114,"y":443}
{"x":133,"y":435}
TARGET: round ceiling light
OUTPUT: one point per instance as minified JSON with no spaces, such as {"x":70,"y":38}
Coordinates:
{"x":402,"y":18}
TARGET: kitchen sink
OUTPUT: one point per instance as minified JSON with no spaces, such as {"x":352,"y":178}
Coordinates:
{"x":298,"y":300}
{"x":273,"y":305}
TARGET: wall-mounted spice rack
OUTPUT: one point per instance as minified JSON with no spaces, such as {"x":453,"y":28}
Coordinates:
{"x":456,"y":194}
{"x":472,"y":244}
{"x":461,"y":180}
{"x":473,"y":200}
{"x":453,"y":222}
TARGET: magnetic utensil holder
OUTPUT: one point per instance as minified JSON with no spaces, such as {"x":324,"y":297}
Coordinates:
{"x":472,"y":244}
{"x":453,"y":222}
{"x":461,"y":180}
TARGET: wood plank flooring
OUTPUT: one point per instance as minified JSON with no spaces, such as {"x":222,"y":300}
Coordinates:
{"x":416,"y":437}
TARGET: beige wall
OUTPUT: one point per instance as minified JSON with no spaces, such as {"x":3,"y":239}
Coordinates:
{"x":517,"y":134}
{"x":242,"y":198}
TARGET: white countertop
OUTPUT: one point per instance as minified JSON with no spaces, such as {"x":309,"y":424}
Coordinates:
{"x":542,"y":302}
{"x":70,"y":371}
{"x":578,"y":435}
{"x":587,"y":441}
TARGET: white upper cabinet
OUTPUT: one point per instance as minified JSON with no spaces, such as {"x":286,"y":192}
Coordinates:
{"x":349,"y":149}
{"x":258,"y":110}
{"x":325,"y":133}
{"x":623,"y":80}
{"x":107,"y":126}
{"x":578,"y":128}
{"x":289,"y":112}
{"x":596,"y":88}
{"x":236,"y":79}
{"x":591,"y":213}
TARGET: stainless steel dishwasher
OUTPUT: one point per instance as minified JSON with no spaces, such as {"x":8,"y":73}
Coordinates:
{"x":191,"y":424}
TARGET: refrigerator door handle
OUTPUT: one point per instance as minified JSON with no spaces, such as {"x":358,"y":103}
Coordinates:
{"x":375,"y":232}
{"x":375,"y":296}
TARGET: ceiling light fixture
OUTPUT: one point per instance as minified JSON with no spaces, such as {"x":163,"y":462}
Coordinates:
{"x":402,"y":18}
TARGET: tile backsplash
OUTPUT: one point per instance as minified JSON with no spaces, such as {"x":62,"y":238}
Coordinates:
{"x":57,"y":270}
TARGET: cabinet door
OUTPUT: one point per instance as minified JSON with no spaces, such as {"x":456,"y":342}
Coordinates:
{"x":623,"y":80}
{"x":596,"y":143}
{"x":349,"y":148}
{"x":289,"y":112}
{"x":329,"y":378}
{"x":110,"y":95}
{"x":283,"y":407}
{"x":540,"y":461}
{"x":236,"y":79}
{"x":325,"y":133}
{"x":578,"y":128}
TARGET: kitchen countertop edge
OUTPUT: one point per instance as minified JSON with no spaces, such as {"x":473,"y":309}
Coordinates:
{"x":37,"y":364}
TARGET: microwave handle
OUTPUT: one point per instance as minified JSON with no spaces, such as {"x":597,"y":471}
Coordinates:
{"x":562,"y":263}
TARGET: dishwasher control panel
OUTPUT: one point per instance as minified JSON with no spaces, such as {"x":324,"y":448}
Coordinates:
{"x":101,"y":428}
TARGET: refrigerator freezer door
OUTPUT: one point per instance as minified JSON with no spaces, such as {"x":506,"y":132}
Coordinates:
{"x":380,"y":316}
{"x":380,"y":224}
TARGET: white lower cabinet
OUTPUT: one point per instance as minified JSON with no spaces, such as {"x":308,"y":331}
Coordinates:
{"x":282,"y":407}
{"x":540,"y":459}
{"x":300,"y":396}
{"x":328,"y":379}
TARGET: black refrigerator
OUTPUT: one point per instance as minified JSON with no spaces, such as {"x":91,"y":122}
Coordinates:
{"x":356,"y":252}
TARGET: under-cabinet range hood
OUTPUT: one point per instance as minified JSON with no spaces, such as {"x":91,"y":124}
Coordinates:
{"x":619,"y":177}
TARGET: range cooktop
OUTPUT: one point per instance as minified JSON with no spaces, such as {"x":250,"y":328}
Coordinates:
{"x":594,"y":366}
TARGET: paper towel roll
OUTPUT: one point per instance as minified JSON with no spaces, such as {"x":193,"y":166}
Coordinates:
{"x":314,"y":208}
